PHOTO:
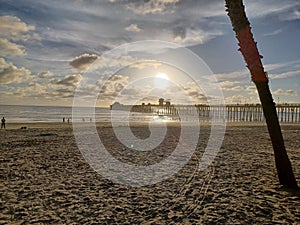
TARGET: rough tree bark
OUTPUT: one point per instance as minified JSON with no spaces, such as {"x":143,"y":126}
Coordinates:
{"x":248,"y":48}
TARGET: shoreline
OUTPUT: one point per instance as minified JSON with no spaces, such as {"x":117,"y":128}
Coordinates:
{"x":53,"y":125}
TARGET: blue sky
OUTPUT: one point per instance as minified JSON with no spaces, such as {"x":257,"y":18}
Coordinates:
{"x":47,"y":47}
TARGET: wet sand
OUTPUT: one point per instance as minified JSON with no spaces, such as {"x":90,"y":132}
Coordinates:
{"x":44,"y":179}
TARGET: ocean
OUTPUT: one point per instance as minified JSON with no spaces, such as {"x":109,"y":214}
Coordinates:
{"x":49,"y":114}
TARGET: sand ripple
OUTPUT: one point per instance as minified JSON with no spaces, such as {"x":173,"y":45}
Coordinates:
{"x":45,"y":180}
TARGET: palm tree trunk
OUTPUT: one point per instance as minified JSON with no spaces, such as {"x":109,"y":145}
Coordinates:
{"x":248,"y":48}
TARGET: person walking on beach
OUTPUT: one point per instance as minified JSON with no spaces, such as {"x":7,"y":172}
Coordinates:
{"x":3,"y":123}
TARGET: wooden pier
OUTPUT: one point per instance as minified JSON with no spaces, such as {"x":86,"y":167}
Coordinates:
{"x":287,"y":113}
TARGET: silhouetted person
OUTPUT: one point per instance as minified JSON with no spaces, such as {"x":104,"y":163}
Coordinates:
{"x":68,"y":120}
{"x":3,"y":123}
{"x":63,"y":119}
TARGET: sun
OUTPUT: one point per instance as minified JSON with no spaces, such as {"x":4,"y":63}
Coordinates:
{"x":162,"y":76}
{"x":161,"y":80}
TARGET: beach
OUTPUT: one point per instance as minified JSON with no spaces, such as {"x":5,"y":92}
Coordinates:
{"x":46,"y":180}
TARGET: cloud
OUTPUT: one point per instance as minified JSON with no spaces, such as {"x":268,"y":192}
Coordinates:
{"x":231,"y":86}
{"x":70,"y":80}
{"x":146,"y":64}
{"x":291,"y":92}
{"x":83,"y":62}
{"x":75,"y":26}
{"x":196,"y":95}
{"x":8,"y":48}
{"x":131,"y":92}
{"x":242,"y":74}
{"x":55,"y":90}
{"x":282,"y":9}
{"x":284,"y":75}
{"x":294,"y":15}
{"x":241,"y":99}
{"x":34,"y":89}
{"x":152,"y":6}
{"x":114,"y":62}
{"x":251,"y":90}
{"x":284,"y":92}
{"x":113,"y":86}
{"x":9,"y":73}
{"x":192,"y":36}
{"x":227,"y":83}
{"x":275,"y":32}
{"x":43,"y":92}
{"x":133,"y":28}
{"x":276,"y":68}
{"x":237,"y":88}
{"x":45,"y":74}
{"x":13,"y":28}
{"x":193,"y":91}
{"x":62,"y":93}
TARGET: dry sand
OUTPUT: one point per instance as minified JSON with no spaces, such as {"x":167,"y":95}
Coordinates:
{"x":45,"y":180}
